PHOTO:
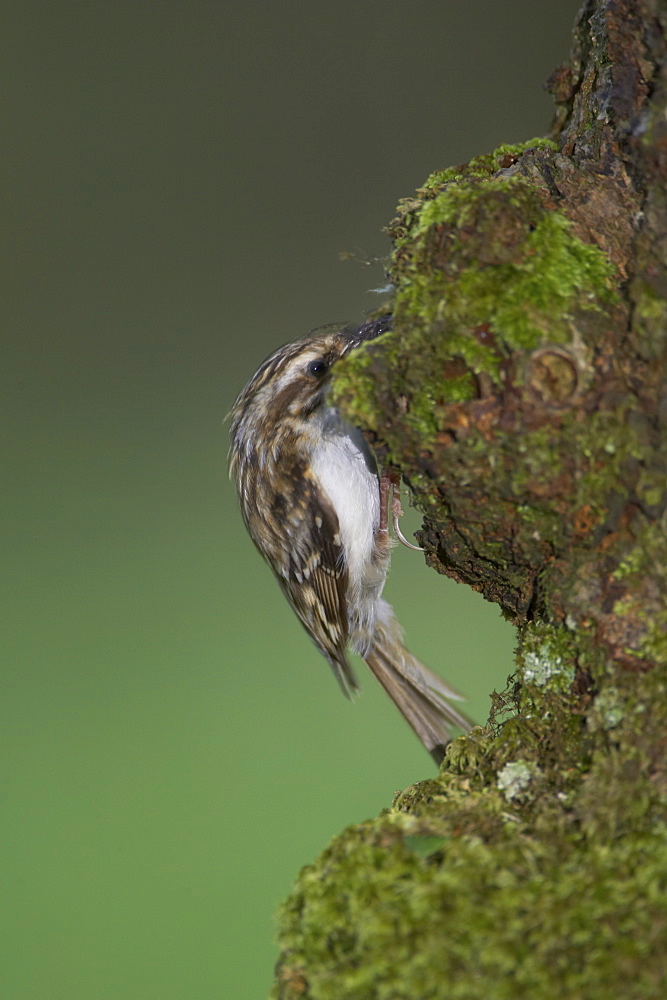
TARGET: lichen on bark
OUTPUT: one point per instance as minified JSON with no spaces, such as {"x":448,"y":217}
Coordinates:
{"x":522,"y":394}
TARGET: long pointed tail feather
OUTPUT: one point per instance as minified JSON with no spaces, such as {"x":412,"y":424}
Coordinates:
{"x":421,"y":696}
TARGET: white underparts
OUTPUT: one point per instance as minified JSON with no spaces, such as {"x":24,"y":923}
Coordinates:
{"x":345,"y":471}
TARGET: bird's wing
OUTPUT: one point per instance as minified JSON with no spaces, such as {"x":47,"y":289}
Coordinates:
{"x":315,"y":578}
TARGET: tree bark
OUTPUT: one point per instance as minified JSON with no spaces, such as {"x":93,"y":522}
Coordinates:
{"x":522,"y":395}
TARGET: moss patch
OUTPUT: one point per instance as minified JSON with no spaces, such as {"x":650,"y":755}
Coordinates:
{"x":530,"y":867}
{"x":483,"y":266}
{"x":384,"y":919}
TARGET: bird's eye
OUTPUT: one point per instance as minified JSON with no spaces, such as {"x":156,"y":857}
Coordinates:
{"x":318,"y":368}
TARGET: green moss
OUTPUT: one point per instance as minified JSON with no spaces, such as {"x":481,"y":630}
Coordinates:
{"x":485,"y":165}
{"x":458,"y":389}
{"x":654,"y":644}
{"x":535,"y":865}
{"x":354,"y":380}
{"x":482,"y":269}
{"x":464,"y":901}
{"x":647,"y":560}
{"x":527,"y":289}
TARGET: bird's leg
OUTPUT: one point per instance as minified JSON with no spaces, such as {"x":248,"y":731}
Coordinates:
{"x":397,"y":512}
{"x":385,"y":491}
{"x":390,"y":485}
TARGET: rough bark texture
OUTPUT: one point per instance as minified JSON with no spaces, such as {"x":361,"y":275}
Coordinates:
{"x":522,"y":394}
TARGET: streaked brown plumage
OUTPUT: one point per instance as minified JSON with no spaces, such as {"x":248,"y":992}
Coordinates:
{"x":310,"y":498}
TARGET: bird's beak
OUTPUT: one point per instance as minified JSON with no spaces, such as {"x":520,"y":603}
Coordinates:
{"x":369,"y":330}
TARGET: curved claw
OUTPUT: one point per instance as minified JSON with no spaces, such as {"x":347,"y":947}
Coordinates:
{"x":392,"y":482}
{"x":401,"y":537}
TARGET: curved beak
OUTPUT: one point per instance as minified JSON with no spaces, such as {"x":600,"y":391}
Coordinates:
{"x":369,"y":330}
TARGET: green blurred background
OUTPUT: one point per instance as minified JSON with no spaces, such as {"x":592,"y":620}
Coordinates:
{"x":179,"y":181}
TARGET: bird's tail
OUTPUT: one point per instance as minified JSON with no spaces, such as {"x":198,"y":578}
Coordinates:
{"x":421,"y":696}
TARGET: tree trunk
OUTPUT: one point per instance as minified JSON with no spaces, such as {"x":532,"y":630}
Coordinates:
{"x":522,"y":394}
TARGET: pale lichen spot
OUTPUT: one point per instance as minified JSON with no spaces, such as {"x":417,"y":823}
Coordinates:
{"x":514,"y":778}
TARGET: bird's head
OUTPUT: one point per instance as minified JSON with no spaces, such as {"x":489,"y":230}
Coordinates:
{"x":294,"y":380}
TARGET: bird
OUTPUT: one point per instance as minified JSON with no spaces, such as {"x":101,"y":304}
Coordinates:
{"x":317,"y":509}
